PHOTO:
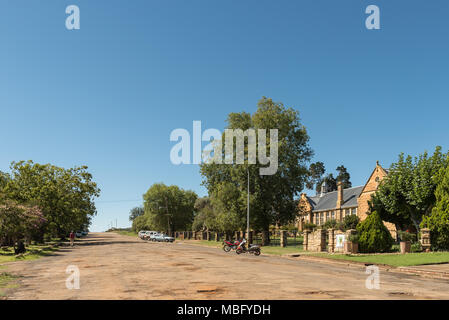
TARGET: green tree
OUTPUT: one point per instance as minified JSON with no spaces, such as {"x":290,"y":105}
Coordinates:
{"x":344,"y":177}
{"x":142,"y":223}
{"x":316,"y":176}
{"x":65,"y":196}
{"x":4,"y":178}
{"x":169,"y":207}
{"x":205,"y":216}
{"x":438,"y":220}
{"x":18,"y":221}
{"x":271,"y":196}
{"x":316,"y":172}
{"x":331,"y":183}
{"x":407,"y":194}
{"x":136,"y":212}
{"x":373,"y":235}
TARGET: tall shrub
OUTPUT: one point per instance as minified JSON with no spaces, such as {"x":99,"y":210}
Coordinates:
{"x":374,"y":236}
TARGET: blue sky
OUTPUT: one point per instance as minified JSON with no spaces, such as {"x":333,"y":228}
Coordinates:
{"x":108,"y":95}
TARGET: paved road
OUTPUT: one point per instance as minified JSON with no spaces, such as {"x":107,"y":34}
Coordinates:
{"x":120,"y":267}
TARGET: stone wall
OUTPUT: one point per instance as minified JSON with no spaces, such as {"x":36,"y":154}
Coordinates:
{"x":315,"y":241}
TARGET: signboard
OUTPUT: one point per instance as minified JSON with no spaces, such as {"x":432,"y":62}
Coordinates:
{"x":339,"y":241}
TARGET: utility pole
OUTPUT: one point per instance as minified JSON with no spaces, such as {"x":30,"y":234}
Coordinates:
{"x":247,"y":213}
{"x":168,"y":216}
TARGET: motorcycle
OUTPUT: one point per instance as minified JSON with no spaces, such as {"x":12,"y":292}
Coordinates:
{"x":253,"y":248}
{"x":230,"y":245}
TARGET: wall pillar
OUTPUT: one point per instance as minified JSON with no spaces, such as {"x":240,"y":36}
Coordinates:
{"x":305,"y":242}
{"x":283,"y":238}
{"x":348,"y":245}
{"x":322,"y":240}
{"x":331,"y":234}
{"x":425,"y":239}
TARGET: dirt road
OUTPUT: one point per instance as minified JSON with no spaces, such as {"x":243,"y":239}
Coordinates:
{"x":121,"y":267}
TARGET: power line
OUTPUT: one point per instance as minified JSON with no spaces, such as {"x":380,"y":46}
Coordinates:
{"x":110,"y":201}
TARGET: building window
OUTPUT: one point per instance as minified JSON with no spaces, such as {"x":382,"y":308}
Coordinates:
{"x":354,"y":211}
{"x":328,"y":216}
{"x":321,"y":218}
{"x":333,"y":215}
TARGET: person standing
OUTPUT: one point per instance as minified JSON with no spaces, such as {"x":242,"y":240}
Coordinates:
{"x":72,"y":238}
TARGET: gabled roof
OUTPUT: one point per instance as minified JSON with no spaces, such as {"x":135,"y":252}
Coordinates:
{"x":329,"y":200}
{"x":378,"y":166}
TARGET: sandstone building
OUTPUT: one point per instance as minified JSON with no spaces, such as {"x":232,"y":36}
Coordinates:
{"x":338,"y":204}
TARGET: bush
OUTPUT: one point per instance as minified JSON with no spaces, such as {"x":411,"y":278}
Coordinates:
{"x":416,"y":247}
{"x":309,"y":226}
{"x":330,"y":224}
{"x":354,"y":238}
{"x":373,"y":235}
{"x":407,"y":236}
{"x":350,"y":222}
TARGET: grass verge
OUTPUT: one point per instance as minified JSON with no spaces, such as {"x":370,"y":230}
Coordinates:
{"x":33,"y":252}
{"x":126,"y":233}
{"x":395,"y":260}
{"x":6,"y":282}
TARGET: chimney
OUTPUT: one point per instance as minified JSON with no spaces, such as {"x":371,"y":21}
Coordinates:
{"x":340,"y":200}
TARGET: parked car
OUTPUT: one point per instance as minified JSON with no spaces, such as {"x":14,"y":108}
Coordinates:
{"x":148,"y":234}
{"x":78,"y":234}
{"x":84,"y":233}
{"x":141,"y":233}
{"x":161,"y":237}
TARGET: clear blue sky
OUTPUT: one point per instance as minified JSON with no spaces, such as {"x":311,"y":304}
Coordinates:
{"x":108,"y":95}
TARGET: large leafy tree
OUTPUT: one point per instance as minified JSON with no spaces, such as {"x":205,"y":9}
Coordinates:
{"x":316,"y":172}
{"x":169,"y":207}
{"x":142,"y":223}
{"x":407,"y":194}
{"x":271,"y":196}
{"x":438,"y":220}
{"x":136,"y":212}
{"x":205,"y":216}
{"x":18,"y":221}
{"x":65,"y":196}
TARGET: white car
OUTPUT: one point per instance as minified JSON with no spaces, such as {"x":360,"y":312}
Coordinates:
{"x":149,"y":234}
{"x":141,"y":233}
{"x":78,"y":234}
{"x":161,"y":237}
